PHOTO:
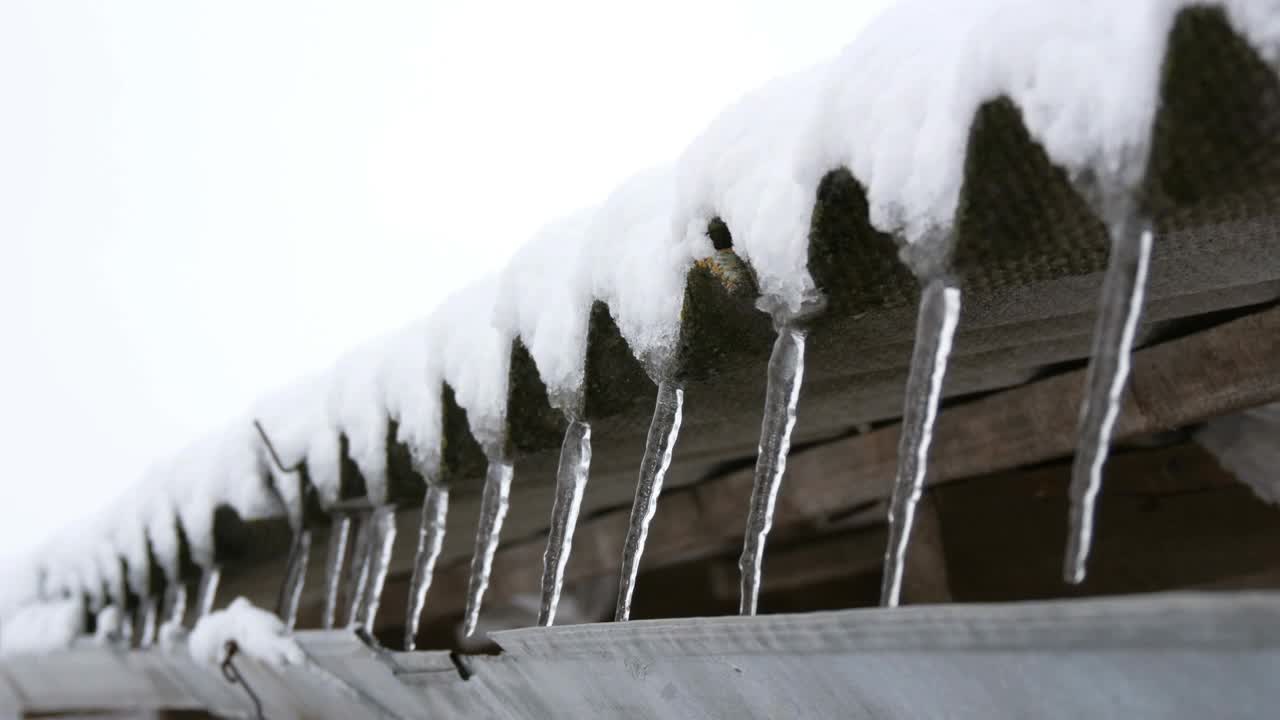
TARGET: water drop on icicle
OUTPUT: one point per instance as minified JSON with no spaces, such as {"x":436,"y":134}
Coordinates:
{"x":339,"y":535}
{"x":782,"y":394}
{"x":1123,"y":288}
{"x":935,"y":327}
{"x":664,"y":428}
{"x":435,"y":510}
{"x":207,"y":591}
{"x":493,"y":510}
{"x":295,"y":577}
{"x":571,"y":482}
{"x":382,"y":537}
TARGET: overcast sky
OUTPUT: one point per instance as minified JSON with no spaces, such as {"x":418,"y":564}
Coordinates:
{"x":201,"y":201}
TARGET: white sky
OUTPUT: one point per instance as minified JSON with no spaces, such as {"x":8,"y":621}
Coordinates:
{"x":202,"y":201}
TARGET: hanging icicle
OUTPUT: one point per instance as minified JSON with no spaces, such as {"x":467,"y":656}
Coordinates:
{"x":571,"y":482}
{"x":1123,"y":288}
{"x":339,"y":536}
{"x":358,"y":573}
{"x":207,"y":591}
{"x":493,"y":510}
{"x":782,"y":395}
{"x":935,"y":328}
{"x":175,"y":602}
{"x":148,"y":617}
{"x":435,"y":510}
{"x":295,"y":576}
{"x":381,"y":539}
{"x":664,"y":428}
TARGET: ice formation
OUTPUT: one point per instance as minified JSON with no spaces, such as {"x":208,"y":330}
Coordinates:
{"x":257,"y":634}
{"x":894,"y":108}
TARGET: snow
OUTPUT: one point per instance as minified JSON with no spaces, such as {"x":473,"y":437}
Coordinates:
{"x":544,"y":298}
{"x":41,"y":628}
{"x":357,"y":410}
{"x":107,"y":625}
{"x":294,"y":419}
{"x":894,"y":107}
{"x":257,"y":633}
{"x":635,"y":272}
{"x":222,"y":468}
{"x":475,"y":358}
{"x":411,"y":394}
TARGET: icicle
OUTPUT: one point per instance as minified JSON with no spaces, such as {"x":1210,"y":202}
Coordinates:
{"x":1123,"y":287}
{"x":148,"y":615}
{"x":127,"y":628}
{"x":435,"y":509}
{"x":339,"y":534}
{"x":935,"y":327}
{"x":175,"y":602}
{"x":208,"y":590}
{"x":664,"y":428}
{"x":493,"y":510}
{"x":295,"y":576}
{"x":382,"y":537}
{"x":358,"y":573}
{"x":782,"y":394}
{"x":571,"y":482}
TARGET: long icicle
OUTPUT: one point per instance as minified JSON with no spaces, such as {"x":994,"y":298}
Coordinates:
{"x":148,"y":616}
{"x":435,"y":510}
{"x":571,"y":482}
{"x":382,"y":537}
{"x":935,"y":328}
{"x":493,"y":510}
{"x":339,"y":536}
{"x":207,"y":591}
{"x":664,"y":428}
{"x":295,"y":577}
{"x":1123,"y":288}
{"x":782,"y":395}
{"x":358,"y":573}
{"x":175,"y":602}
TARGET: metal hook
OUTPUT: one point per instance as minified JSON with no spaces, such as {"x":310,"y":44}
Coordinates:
{"x":232,"y":675}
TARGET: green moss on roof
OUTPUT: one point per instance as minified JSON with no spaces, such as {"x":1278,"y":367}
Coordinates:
{"x":614,"y":380}
{"x":1217,"y":132}
{"x":1019,"y":219}
{"x":720,"y":326}
{"x":532,"y":423}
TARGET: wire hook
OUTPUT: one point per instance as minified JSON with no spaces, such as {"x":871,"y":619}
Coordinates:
{"x":232,"y":675}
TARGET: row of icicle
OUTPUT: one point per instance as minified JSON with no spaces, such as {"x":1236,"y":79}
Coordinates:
{"x":939,"y":310}
{"x":939,"y":313}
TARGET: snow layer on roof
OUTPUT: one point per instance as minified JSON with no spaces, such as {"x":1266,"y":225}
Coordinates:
{"x":410,"y":386}
{"x":159,"y":513}
{"x":294,"y":418}
{"x":544,"y":298}
{"x":41,"y":628}
{"x":741,"y":169}
{"x":475,"y":360}
{"x":257,"y":633}
{"x":636,"y":270}
{"x":357,"y":410}
{"x":223,"y":468}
